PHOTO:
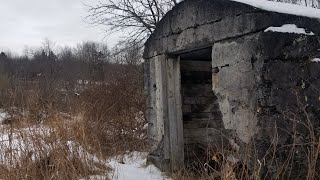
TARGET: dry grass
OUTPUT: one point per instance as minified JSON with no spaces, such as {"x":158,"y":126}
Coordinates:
{"x":228,"y":170}
{"x":46,"y":151}
{"x":114,"y":113}
{"x":45,"y":138}
{"x":107,"y":119}
{"x":296,"y":159}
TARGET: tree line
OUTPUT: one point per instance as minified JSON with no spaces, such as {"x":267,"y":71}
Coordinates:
{"x":55,"y":74}
{"x":88,"y":61}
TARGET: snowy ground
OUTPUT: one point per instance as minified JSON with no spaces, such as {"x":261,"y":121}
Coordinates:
{"x":132,"y":167}
{"x":21,"y":142}
{"x":3,"y":116}
{"x":128,"y":167}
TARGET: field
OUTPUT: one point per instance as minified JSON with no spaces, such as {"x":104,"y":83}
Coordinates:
{"x":93,"y":130}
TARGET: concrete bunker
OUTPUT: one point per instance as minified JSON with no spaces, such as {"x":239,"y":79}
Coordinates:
{"x":216,"y":77}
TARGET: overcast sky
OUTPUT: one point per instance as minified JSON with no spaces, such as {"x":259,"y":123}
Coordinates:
{"x":29,"y":22}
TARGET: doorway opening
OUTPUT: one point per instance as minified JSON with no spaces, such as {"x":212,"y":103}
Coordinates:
{"x":202,"y":119}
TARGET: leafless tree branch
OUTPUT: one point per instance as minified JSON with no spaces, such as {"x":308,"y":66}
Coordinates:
{"x":137,"y":18}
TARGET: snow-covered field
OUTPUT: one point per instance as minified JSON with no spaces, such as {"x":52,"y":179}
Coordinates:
{"x":40,"y":140}
{"x":33,"y":143}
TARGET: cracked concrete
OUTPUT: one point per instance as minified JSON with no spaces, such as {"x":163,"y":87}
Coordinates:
{"x":234,"y":85}
{"x":264,"y":84}
{"x":199,"y":23}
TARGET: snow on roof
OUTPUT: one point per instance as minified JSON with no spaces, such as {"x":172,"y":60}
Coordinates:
{"x":315,"y":60}
{"x":285,"y":8}
{"x":289,"y":28}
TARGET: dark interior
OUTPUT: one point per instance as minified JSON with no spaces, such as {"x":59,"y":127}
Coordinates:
{"x":201,"y":115}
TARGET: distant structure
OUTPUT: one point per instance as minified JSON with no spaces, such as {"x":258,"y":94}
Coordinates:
{"x":227,"y":75}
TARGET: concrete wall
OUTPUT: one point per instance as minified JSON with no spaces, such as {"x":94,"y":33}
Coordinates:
{"x":196,"y":24}
{"x":234,"y":82}
{"x":265,"y":84}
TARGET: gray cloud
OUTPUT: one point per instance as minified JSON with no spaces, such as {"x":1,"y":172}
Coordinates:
{"x":28,"y":22}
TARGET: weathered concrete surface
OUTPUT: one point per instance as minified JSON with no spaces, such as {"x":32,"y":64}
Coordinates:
{"x":235,"y":83}
{"x":195,"y":24}
{"x":156,"y":112}
{"x":266,"y":87}
{"x":151,"y":112}
{"x":268,"y":91}
{"x":289,"y":102}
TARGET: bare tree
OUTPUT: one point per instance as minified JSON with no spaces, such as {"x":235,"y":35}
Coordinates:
{"x":138,"y":18}
{"x":127,"y":53}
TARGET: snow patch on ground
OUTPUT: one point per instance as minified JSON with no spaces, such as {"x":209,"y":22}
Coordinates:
{"x":289,"y":28}
{"x":20,"y":142}
{"x":34,"y":142}
{"x":133,"y":166}
{"x":3,"y":116}
{"x":26,"y":141}
{"x":40,"y":140}
{"x":283,"y":8}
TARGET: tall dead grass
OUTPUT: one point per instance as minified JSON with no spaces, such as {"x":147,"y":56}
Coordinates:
{"x":295,"y":158}
{"x":46,"y":151}
{"x":114,"y":112}
{"x":42,"y":139}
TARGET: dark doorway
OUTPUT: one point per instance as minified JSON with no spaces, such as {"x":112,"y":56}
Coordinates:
{"x":201,"y":115}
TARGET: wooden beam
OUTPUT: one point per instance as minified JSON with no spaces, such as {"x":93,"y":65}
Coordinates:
{"x":192,"y":65}
{"x":175,"y":114}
